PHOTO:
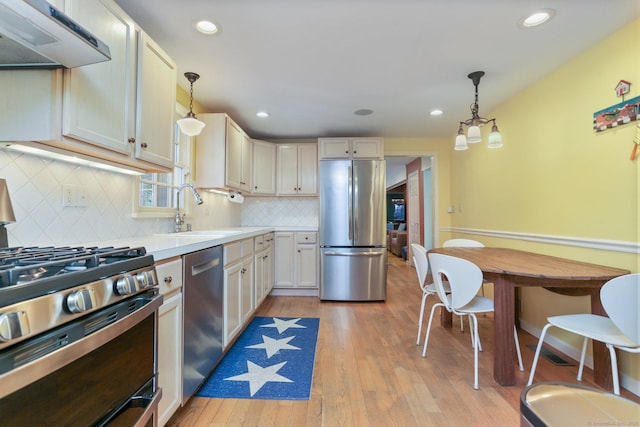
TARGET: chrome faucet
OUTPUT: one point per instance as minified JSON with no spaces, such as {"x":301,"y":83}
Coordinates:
{"x":179,"y":219}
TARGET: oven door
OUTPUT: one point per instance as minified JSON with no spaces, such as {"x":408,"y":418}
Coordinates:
{"x":88,"y":380}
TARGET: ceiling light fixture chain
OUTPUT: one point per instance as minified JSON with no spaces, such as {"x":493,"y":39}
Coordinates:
{"x":475,"y":122}
{"x":190,"y":125}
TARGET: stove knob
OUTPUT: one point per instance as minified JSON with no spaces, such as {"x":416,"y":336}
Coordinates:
{"x":13,"y":325}
{"x":146,"y":278}
{"x":126,"y":285}
{"x":80,"y":301}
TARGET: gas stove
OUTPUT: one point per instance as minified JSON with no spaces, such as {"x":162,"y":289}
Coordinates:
{"x":44,"y":287}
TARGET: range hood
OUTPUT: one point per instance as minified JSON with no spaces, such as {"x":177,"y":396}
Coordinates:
{"x":34,"y":34}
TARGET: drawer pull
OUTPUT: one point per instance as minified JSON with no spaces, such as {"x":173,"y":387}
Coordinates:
{"x":168,"y":279}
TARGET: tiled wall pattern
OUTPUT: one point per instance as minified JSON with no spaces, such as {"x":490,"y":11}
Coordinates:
{"x":280,"y":212}
{"x":35,"y":186}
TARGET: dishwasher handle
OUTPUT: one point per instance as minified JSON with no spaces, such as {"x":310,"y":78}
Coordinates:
{"x":205,"y":266}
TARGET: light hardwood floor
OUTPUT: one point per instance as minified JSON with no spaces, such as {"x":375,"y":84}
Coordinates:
{"x":369,"y":372}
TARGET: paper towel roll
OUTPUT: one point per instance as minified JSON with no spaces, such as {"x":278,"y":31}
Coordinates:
{"x":235,"y":197}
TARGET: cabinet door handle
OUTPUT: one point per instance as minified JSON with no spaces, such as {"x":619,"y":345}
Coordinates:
{"x":131,"y":140}
{"x":168,"y":279}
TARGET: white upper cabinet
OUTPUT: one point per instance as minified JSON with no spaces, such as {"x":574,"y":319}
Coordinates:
{"x":223,"y":154}
{"x":99,"y":99}
{"x":297,"y":166}
{"x":155,"y":104}
{"x":350,"y":148}
{"x":264,"y":167}
{"x":238,"y":158}
{"x":119,"y":111}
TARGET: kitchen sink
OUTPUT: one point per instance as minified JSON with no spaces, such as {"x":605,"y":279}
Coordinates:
{"x":208,"y":234}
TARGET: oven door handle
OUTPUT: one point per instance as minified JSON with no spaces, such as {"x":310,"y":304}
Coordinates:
{"x":27,"y":374}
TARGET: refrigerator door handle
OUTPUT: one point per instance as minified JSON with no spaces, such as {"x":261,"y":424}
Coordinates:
{"x":350,"y":203}
{"x":332,"y":253}
{"x":355,"y":205}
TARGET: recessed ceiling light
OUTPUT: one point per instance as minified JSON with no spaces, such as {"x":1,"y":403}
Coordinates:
{"x":262,"y":114}
{"x":436,"y":112}
{"x":207,"y":27}
{"x":363,"y":112}
{"x":538,"y":17}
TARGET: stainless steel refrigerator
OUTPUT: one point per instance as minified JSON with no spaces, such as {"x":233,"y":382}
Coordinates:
{"x":353,"y":258}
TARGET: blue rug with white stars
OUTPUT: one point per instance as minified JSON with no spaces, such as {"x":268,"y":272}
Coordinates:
{"x":272,"y":359}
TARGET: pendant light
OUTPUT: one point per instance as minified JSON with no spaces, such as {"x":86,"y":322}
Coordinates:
{"x":473,"y":124}
{"x":189,"y":125}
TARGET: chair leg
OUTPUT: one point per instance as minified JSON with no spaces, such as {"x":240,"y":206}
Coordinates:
{"x":515,"y":336}
{"x":426,"y":336}
{"x":424,"y":300}
{"x":475,"y":350}
{"x":614,"y":369}
{"x":461,"y":323}
{"x":582,"y":355}
{"x":472,"y":335}
{"x":535,"y":358}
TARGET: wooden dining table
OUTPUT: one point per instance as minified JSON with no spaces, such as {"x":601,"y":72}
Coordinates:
{"x":508,"y":269}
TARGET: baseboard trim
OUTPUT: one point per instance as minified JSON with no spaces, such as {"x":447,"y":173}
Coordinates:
{"x":294,"y":292}
{"x":607,"y":245}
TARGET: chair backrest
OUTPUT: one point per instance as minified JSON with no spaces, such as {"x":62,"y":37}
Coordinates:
{"x":420,"y":261}
{"x":620,"y":298}
{"x":462,"y":243}
{"x":465,"y":279}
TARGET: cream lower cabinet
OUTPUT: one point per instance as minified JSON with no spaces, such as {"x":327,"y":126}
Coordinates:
{"x":238,"y":287}
{"x":170,"y":338}
{"x":296,"y":264}
{"x":264,"y":263}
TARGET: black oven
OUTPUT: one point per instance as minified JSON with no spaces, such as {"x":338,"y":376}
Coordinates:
{"x":96,"y":368}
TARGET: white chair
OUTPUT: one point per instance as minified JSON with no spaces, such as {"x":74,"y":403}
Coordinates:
{"x":465,"y":279}
{"x":422,"y":268}
{"x":620,"y":298}
{"x":464,"y":243}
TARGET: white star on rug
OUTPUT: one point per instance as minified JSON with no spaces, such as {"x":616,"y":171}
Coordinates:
{"x":283,"y":325}
{"x":257,"y":376}
{"x":273,"y":346}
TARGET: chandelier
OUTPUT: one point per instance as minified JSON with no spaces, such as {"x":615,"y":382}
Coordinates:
{"x":473,"y":124}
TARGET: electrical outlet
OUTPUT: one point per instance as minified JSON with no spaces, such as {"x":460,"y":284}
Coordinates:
{"x":74,"y":195}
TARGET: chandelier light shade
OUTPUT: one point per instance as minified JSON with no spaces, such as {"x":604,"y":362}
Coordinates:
{"x":473,"y":124}
{"x":190,"y":125}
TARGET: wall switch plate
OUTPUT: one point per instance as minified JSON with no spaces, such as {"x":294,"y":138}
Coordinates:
{"x":74,"y":195}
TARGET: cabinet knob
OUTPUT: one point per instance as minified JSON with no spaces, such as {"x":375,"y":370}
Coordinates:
{"x":144,"y":145}
{"x":131,"y":140}
{"x":168,"y":279}
{"x":346,"y":152}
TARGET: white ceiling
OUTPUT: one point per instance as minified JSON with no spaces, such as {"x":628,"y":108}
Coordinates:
{"x":312,"y":63}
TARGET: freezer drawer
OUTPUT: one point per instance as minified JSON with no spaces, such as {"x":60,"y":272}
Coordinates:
{"x":353,"y":274}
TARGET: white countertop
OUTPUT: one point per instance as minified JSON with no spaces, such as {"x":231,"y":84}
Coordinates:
{"x":169,"y":245}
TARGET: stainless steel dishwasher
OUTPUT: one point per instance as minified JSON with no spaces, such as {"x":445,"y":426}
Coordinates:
{"x":203,"y":317}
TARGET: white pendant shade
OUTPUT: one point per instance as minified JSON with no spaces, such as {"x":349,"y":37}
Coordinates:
{"x":495,"y":139}
{"x":190,"y":126}
{"x":461,"y":143}
{"x":473,"y":135}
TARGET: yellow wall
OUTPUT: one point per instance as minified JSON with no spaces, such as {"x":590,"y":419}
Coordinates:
{"x":555,"y":176}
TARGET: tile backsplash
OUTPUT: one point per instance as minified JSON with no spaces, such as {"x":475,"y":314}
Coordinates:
{"x":280,"y":212}
{"x":36,"y":189}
